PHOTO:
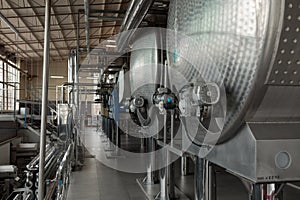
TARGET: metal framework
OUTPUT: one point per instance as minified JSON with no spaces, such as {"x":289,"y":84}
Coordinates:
{"x":27,"y":18}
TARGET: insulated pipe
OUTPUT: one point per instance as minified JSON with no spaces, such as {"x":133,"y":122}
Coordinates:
{"x":135,"y":14}
{"x":133,"y":18}
{"x":129,"y":11}
{"x":41,"y":185}
{"x":87,"y":25}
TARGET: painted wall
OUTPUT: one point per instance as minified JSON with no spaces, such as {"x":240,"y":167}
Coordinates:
{"x":35,"y":83}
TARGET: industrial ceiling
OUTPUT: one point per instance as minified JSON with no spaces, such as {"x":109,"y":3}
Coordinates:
{"x":25,"y":34}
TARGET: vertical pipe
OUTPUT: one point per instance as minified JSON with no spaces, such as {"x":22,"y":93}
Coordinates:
{"x":172,"y":128}
{"x":15,"y":100}
{"x":199,"y":179}
{"x":62,"y":94}
{"x":184,"y":166}
{"x":150,"y":164}
{"x":165,"y":128}
{"x":171,"y":177}
{"x":164,"y":193}
{"x":264,"y":192}
{"x":41,"y":183}
{"x":171,"y":167}
{"x":164,"y":189}
{"x":271,"y":190}
{"x":76,"y":88}
{"x":87,"y":25}
{"x":204,"y":177}
{"x":70,"y":73}
{"x":257,"y":192}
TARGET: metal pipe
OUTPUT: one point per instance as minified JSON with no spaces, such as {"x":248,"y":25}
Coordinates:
{"x":34,"y":162}
{"x":10,"y":25}
{"x":44,"y":100}
{"x":163,"y":178}
{"x":87,"y":24}
{"x":65,"y":162}
{"x":171,"y":175}
{"x":150,"y":165}
{"x":172,"y":128}
{"x":29,"y":196}
{"x":128,"y":13}
{"x":106,"y":18}
{"x":70,"y":72}
{"x":293,"y":186}
{"x":184,"y":165}
{"x":135,"y":14}
{"x":133,"y":18}
{"x":171,"y":178}
{"x":204,"y":178}
{"x":199,"y":179}
{"x":76,"y":89}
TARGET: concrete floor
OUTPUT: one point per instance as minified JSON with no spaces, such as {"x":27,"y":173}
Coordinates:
{"x":98,"y":182}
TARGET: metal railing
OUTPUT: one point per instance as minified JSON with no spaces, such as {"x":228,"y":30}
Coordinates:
{"x":62,"y":179}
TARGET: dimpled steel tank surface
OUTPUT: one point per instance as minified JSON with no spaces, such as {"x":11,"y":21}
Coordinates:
{"x":252,"y":47}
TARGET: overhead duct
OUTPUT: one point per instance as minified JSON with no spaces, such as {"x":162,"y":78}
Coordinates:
{"x":134,"y":16}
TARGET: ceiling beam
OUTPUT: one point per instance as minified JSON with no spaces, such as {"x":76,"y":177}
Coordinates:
{"x":40,"y":21}
{"x":95,"y":37}
{"x":14,"y":46}
{"x":65,"y":5}
{"x":70,"y":6}
{"x":61,"y":28}
{"x":8,"y":31}
{"x":17,"y":13}
{"x":117,"y":15}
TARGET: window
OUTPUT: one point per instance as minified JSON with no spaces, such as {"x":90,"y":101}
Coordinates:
{"x":9,"y":86}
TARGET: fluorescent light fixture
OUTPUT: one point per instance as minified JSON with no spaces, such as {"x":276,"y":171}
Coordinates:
{"x":92,"y":78}
{"x":57,"y":77}
{"x":111,"y":41}
{"x":111,"y":46}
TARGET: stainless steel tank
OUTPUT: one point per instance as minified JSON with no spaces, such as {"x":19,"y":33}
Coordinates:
{"x":253,"y":47}
{"x":144,"y":64}
{"x":144,"y":70}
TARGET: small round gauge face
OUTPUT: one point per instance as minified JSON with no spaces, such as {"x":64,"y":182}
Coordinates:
{"x":139,"y":102}
{"x":209,"y":93}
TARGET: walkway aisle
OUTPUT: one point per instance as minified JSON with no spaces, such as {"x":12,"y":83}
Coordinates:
{"x":98,"y":182}
{"x":84,"y":183}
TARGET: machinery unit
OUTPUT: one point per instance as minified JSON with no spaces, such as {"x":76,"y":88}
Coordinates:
{"x":252,"y":50}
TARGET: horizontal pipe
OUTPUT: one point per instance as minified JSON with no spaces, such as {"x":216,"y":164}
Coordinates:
{"x":64,"y":6}
{"x":106,"y":18}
